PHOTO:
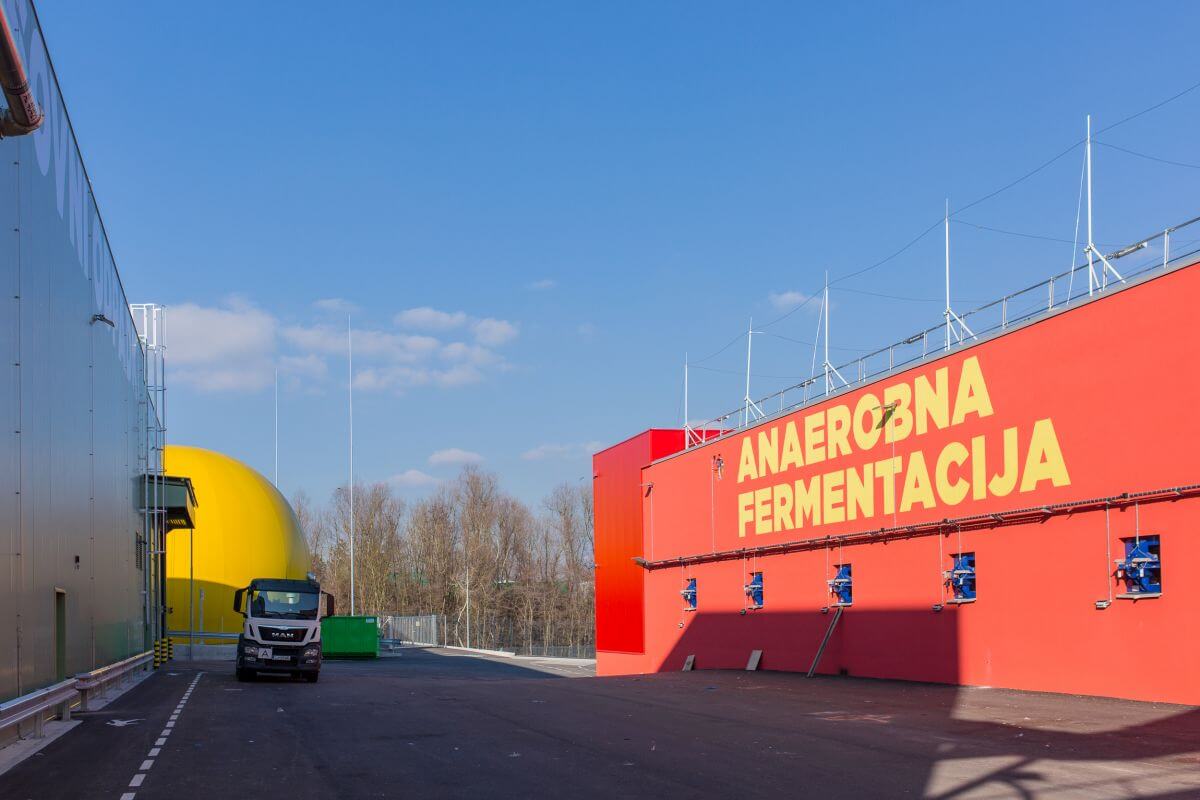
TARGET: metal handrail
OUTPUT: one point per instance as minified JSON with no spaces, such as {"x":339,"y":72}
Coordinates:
{"x":898,"y":355}
{"x":35,"y":705}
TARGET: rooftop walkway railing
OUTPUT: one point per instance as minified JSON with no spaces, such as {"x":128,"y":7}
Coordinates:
{"x":1047,"y":297}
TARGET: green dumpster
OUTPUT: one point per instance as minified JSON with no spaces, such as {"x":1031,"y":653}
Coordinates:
{"x":350,"y":637}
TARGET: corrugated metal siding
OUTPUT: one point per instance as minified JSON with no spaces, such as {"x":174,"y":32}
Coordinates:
{"x":70,"y":389}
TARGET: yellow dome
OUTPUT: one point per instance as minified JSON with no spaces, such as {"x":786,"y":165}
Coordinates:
{"x":245,"y":529}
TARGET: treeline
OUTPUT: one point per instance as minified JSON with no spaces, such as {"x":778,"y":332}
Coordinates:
{"x":527,"y":572}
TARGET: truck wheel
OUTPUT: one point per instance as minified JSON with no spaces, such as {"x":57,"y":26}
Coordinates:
{"x":312,"y":677}
{"x":244,"y":674}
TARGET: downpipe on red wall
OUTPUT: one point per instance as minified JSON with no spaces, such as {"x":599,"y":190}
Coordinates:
{"x":23,"y":115}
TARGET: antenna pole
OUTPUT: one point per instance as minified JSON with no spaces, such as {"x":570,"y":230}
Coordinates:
{"x":350,"y":361}
{"x":1090,"y":247}
{"x":949,"y":332}
{"x":825,"y":304}
{"x":687,"y":428}
{"x":749,"y":346}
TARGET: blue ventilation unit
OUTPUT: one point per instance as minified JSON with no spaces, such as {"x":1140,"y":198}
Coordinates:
{"x":842,"y":585}
{"x":961,"y":577}
{"x":689,"y":595}
{"x":1142,"y":568}
{"x":754,"y":590}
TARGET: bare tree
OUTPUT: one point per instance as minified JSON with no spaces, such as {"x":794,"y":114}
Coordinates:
{"x":526,"y":579}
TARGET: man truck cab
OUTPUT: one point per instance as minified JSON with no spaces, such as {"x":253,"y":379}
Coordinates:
{"x":282,"y":631}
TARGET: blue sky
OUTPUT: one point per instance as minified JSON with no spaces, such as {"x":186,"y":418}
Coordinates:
{"x":534,"y":210}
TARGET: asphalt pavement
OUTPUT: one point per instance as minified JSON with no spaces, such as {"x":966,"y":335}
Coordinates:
{"x":439,"y":724}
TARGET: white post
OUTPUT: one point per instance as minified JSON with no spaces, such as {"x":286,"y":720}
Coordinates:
{"x":948,"y":326}
{"x":749,"y":344}
{"x":825,"y":305}
{"x":687,"y":429}
{"x":350,"y":360}
{"x":191,"y":594}
{"x":1090,"y":248}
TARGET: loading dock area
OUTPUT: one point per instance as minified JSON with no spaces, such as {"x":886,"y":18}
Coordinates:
{"x":432,"y":723}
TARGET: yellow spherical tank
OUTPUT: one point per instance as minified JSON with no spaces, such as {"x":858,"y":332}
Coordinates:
{"x":245,"y":529}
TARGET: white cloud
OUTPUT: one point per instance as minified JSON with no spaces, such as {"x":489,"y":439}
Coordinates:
{"x":494,"y":332}
{"x":401,"y":377}
{"x":332,"y":341}
{"x":335,"y":305}
{"x":430,"y":319}
{"x":785,"y":301}
{"x":237,"y":346}
{"x":557,"y":450}
{"x":309,"y":366}
{"x":454,"y":457}
{"x":542,"y":285}
{"x":227,"y":348}
{"x":413,"y":479}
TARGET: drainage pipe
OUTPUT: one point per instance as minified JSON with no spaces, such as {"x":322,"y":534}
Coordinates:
{"x":23,"y":115}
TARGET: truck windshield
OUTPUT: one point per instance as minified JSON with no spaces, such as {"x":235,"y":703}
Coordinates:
{"x":283,"y":605}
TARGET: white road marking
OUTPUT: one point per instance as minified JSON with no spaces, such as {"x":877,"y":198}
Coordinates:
{"x":148,"y":763}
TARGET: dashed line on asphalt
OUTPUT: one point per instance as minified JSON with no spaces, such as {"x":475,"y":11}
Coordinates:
{"x":148,"y":762}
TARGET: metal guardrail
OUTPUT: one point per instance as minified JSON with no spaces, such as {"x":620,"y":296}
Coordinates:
{"x":91,"y":684}
{"x":33,"y":706}
{"x":62,"y":696}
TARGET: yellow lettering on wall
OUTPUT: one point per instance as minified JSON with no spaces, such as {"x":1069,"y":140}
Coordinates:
{"x":814,"y":438}
{"x":900,"y":425}
{"x":972,"y":393}
{"x":1044,"y":461}
{"x":793,"y":454}
{"x":768,"y":452}
{"x":808,"y":501}
{"x":866,"y":417}
{"x":762,"y":511}
{"x":932,"y":402}
{"x":917,"y":488}
{"x":886,"y":470}
{"x":860,"y":492}
{"x":745,"y":512}
{"x":837,"y":419}
{"x":951,"y":492}
{"x":783,"y":507}
{"x":834,"y":497}
{"x":1002,"y":483}
{"x":746,"y":466}
{"x":978,"y":468}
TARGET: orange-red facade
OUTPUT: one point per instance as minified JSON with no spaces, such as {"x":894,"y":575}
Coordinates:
{"x":1089,"y":403}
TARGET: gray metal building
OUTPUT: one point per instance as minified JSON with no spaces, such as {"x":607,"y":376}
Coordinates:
{"x":77,"y":575}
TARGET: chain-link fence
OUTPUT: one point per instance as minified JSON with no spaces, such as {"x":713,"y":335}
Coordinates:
{"x":423,"y":629}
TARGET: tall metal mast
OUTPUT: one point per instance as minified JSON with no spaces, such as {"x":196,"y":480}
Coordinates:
{"x":350,"y":360}
{"x":1095,"y":282}
{"x":951,"y":317}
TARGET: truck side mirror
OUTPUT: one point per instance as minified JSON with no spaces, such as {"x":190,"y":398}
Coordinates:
{"x":238,"y":596}
{"x":328,"y":604}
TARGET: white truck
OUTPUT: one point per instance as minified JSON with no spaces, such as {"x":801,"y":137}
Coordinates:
{"x":282,"y":631}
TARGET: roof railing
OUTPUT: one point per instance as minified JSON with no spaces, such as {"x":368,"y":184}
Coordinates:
{"x":1041,"y":299}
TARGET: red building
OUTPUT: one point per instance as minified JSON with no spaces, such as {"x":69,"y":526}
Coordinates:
{"x":1022,"y":511}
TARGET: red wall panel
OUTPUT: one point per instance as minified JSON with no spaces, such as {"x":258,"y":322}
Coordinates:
{"x":616,"y":475}
{"x":1115,"y":379}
